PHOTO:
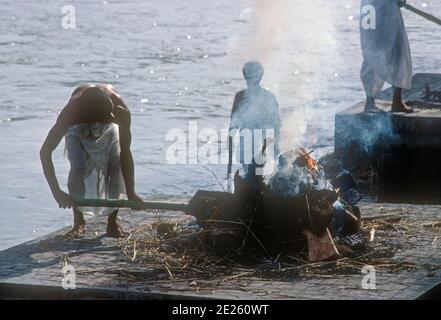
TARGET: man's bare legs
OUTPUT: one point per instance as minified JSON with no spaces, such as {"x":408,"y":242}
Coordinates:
{"x":397,"y":103}
{"x":78,"y":171}
{"x":116,"y":182}
{"x":79,"y":223}
{"x":75,"y":183}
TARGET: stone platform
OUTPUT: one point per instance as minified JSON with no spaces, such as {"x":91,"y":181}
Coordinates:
{"x":404,"y":147}
{"x":34,"y":269}
{"x":421,"y":129}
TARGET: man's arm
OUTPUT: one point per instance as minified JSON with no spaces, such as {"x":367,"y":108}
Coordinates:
{"x":126,"y":158}
{"x":50,"y":144}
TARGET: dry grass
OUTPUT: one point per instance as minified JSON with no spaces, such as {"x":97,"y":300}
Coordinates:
{"x":181,"y":253}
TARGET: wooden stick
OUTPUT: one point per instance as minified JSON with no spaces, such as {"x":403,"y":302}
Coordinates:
{"x":422,"y":14}
{"x":113,"y":203}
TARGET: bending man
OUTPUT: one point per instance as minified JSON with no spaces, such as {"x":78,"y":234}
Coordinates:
{"x":96,"y":126}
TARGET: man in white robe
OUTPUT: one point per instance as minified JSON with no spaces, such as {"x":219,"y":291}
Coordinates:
{"x":255,"y":114}
{"x":386,"y":52}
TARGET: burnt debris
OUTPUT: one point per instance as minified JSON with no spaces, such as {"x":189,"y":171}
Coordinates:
{"x":287,"y":212}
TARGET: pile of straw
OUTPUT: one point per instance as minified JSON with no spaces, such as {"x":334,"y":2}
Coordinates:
{"x":173,"y":249}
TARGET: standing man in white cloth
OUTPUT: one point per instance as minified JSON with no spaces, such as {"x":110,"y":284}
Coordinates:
{"x":255,"y":110}
{"x":386,"y":52}
{"x":96,"y":126}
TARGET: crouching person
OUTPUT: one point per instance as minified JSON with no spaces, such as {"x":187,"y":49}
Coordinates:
{"x":96,"y":126}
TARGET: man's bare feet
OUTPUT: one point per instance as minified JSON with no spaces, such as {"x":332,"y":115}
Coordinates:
{"x":370,"y":106}
{"x":114,"y":229}
{"x":397,"y":102}
{"x":77,"y":230}
{"x":373,"y":109}
{"x":398,"y":106}
{"x":79,"y":225}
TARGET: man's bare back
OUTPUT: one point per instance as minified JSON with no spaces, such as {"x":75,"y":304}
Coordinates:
{"x":76,"y":111}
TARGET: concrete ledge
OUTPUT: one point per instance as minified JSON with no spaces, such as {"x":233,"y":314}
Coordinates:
{"x":403,"y":148}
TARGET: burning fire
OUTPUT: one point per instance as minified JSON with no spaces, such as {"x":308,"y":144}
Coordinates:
{"x":307,"y":161}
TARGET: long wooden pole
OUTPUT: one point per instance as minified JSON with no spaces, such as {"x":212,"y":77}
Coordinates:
{"x":153,"y":205}
{"x":422,"y":13}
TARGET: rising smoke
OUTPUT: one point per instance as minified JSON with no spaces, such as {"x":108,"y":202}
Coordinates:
{"x":294,"y":40}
